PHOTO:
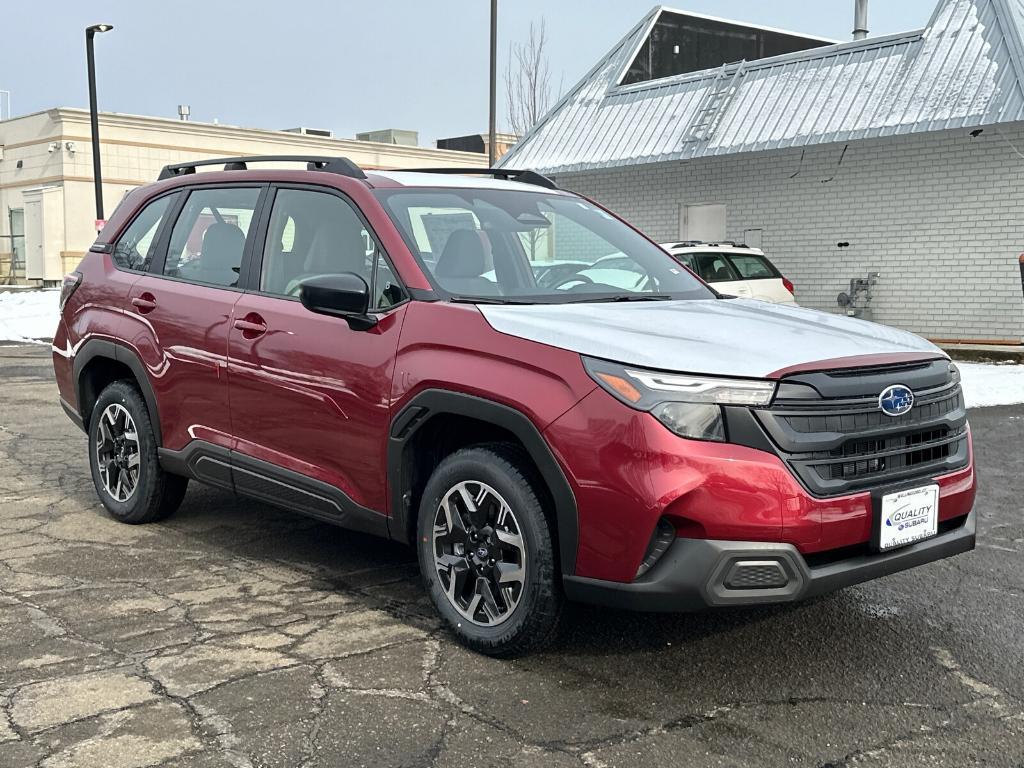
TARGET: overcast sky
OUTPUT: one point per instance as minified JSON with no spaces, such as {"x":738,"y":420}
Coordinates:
{"x":347,"y":66}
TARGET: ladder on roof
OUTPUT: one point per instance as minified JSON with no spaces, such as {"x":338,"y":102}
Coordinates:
{"x":712,"y":106}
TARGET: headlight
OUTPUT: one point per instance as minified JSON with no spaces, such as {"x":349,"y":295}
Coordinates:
{"x":688,"y":405}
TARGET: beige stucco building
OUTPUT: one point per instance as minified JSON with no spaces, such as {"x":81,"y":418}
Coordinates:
{"x":47,"y":202}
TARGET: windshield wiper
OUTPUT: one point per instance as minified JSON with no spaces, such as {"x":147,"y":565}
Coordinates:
{"x":624,"y":297}
{"x":485,"y":300}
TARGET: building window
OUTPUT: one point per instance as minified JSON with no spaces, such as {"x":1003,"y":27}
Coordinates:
{"x":680,"y":43}
{"x":16,"y":244}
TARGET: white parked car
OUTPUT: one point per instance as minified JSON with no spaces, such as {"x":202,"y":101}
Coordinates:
{"x":737,"y":270}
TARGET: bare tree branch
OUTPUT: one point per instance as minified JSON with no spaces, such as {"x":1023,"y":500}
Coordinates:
{"x":528,"y":80}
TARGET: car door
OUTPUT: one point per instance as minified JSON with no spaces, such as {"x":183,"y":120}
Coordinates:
{"x":182,"y":313}
{"x":715,"y":268}
{"x":310,"y":395}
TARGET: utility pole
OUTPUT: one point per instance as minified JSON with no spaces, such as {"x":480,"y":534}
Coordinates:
{"x":492,"y":138}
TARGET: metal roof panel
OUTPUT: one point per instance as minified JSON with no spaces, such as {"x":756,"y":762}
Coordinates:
{"x":961,"y":70}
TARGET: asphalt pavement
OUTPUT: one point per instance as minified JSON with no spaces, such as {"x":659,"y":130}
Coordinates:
{"x":235,"y":634}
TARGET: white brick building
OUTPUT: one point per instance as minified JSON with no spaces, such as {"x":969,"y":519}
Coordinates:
{"x":908,"y":148}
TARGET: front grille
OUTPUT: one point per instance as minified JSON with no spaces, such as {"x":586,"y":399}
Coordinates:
{"x":871,"y":457}
{"x":838,"y":445}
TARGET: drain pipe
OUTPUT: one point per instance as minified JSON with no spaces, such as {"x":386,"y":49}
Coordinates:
{"x":860,"y":19}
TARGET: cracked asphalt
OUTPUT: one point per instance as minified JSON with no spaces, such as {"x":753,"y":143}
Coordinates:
{"x":235,"y":634}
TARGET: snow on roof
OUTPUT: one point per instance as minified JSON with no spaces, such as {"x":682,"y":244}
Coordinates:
{"x":963,"y":69}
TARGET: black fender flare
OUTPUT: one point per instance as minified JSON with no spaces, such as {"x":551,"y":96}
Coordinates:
{"x":103,"y":348}
{"x":431,"y":402}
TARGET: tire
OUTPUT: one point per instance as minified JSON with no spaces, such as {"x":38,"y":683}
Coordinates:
{"x":523,"y":580}
{"x":154,"y":494}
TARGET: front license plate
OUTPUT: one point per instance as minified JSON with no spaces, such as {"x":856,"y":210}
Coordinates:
{"x":908,"y":516}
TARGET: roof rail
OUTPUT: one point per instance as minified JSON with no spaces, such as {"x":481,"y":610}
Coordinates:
{"x":525,"y":177}
{"x":340,"y":165}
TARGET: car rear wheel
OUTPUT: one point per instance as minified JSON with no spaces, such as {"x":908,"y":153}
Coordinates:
{"x":123,"y":459}
{"x":486,"y":554}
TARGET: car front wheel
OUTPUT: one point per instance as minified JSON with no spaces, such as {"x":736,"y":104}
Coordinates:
{"x":486,"y":554}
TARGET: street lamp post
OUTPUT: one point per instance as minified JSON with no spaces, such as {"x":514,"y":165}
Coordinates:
{"x":492,"y":137}
{"x":94,"y":118}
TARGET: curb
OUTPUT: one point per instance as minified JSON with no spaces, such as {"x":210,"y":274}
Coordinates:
{"x":981,"y":355}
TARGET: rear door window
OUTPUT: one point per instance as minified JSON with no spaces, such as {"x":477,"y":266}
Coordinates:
{"x":750,"y":266}
{"x":713,"y":267}
{"x":209,"y":236}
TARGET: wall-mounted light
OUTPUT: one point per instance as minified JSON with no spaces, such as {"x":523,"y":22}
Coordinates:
{"x":53,"y":147}
{"x":70,"y":147}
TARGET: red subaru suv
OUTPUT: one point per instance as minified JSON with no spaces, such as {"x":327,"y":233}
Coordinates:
{"x":509,"y":378}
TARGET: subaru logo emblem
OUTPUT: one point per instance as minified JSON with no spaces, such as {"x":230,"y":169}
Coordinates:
{"x":896,"y":400}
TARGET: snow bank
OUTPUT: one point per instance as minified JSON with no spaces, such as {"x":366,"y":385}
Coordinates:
{"x":32,"y":316}
{"x":28,"y":315}
{"x":992,"y":384}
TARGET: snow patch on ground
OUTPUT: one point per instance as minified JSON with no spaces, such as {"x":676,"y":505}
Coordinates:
{"x":33,"y":315}
{"x":29,"y":315}
{"x":992,"y":384}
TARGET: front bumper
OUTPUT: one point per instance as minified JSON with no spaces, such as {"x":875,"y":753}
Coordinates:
{"x":696,"y":573}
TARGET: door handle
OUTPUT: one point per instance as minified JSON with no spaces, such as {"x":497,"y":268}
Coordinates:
{"x":251,"y":326}
{"x":145,"y":303}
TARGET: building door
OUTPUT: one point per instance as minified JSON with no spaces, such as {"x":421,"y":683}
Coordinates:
{"x":705,"y":223}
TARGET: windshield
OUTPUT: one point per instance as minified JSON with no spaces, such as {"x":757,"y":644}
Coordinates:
{"x":529,"y":247}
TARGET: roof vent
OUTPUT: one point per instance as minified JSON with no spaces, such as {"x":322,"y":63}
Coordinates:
{"x":323,"y":132}
{"x":391,"y":136}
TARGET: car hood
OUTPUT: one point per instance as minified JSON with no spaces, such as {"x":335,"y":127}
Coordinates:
{"x":730,"y":337}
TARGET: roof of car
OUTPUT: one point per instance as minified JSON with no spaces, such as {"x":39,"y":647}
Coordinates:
{"x":470,"y":177}
{"x":418,"y":179}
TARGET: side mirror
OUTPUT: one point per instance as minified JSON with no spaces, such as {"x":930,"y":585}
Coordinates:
{"x":346,"y":295}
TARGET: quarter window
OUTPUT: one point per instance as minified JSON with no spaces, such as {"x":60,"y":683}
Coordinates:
{"x":134,"y":249}
{"x":209,"y":236}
